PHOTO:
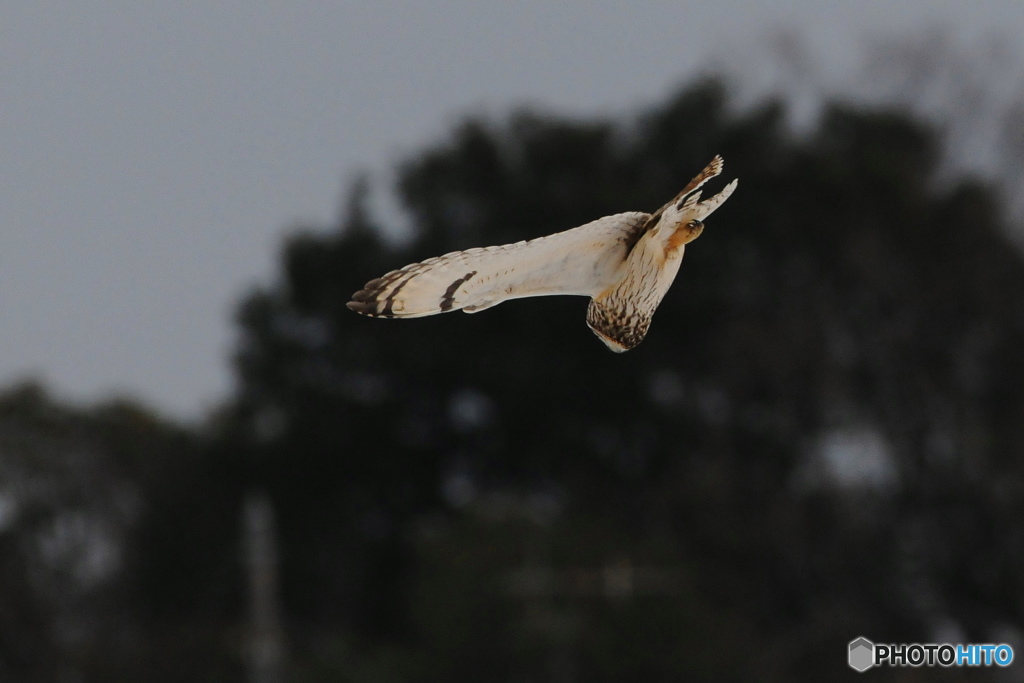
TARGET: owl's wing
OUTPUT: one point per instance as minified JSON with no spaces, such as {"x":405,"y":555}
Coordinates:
{"x":582,"y":261}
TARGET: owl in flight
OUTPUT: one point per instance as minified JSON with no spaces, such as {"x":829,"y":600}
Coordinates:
{"x":625,"y":263}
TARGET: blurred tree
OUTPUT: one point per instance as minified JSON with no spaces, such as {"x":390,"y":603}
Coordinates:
{"x":75,"y":487}
{"x":820,"y":438}
{"x":826,"y":414}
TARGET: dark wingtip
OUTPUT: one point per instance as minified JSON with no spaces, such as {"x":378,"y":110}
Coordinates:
{"x":365,"y":300}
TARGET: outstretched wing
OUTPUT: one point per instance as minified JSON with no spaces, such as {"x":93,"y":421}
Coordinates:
{"x":582,"y":261}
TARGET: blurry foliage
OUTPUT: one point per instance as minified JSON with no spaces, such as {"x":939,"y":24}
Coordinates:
{"x":417,"y":466}
{"x":841,"y":287}
{"x":77,"y":489}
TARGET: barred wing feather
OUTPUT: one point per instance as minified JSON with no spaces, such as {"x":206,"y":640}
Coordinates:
{"x":583,"y":261}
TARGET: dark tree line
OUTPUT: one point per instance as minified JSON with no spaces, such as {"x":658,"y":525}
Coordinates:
{"x":821,"y":437}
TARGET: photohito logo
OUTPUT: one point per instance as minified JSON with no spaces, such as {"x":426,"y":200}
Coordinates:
{"x":863,"y":654}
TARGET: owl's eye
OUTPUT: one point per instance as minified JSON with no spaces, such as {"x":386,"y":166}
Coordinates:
{"x":696,"y":225}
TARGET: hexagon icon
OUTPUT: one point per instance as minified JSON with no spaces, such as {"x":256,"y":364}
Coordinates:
{"x":862,"y":654}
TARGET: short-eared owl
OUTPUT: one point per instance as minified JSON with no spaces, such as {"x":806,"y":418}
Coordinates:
{"x":625,"y":263}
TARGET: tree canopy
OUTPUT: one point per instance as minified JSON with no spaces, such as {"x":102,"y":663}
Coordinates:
{"x":820,"y":438}
{"x":843,"y":299}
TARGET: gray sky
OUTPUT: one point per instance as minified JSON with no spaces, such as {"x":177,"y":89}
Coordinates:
{"x":153,"y":154}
